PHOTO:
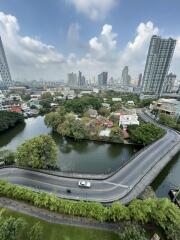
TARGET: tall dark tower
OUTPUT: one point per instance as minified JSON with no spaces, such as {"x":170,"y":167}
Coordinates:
{"x":157,"y":65}
{"x":4,"y":69}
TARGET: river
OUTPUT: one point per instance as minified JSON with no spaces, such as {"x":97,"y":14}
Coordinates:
{"x":88,"y":156}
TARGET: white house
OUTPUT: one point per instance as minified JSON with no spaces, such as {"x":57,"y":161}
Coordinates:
{"x":126,"y":120}
{"x":117,"y":99}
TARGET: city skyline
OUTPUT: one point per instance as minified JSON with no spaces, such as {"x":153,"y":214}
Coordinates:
{"x":88,"y":38}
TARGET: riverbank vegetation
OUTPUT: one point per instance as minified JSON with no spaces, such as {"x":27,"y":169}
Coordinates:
{"x":7,"y":157}
{"x":70,"y":125}
{"x":9,"y":119}
{"x":169,"y":121}
{"x":39,"y":152}
{"x":161,"y":212}
{"x":145,"y":133}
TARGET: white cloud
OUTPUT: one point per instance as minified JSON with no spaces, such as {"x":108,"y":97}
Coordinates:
{"x":73,"y":34}
{"x":93,"y":9}
{"x":103,"y":46}
{"x":27,"y":56}
{"x":30,"y":58}
{"x":136,"y":51}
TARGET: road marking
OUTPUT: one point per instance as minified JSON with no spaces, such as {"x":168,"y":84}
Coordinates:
{"x":118,"y":184}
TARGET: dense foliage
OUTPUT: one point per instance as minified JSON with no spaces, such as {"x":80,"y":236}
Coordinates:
{"x":145,"y":133}
{"x":132,"y":232}
{"x":9,"y":119}
{"x":80,"y":105}
{"x":7,"y":157}
{"x":159,"y":211}
{"x":38,"y":152}
{"x":46,"y":100}
{"x":12,"y":228}
{"x":169,"y":121}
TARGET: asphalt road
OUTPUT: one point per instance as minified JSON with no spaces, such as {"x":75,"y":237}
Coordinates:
{"x":117,"y":187}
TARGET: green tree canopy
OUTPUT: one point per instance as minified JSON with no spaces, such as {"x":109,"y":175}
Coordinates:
{"x":145,"y":133}
{"x":38,"y":152}
{"x":9,"y":119}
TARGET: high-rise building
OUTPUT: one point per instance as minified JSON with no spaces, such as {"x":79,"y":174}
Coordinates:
{"x":72,"y":79}
{"x":81,"y":79}
{"x":140,"y":80}
{"x":125,"y":78}
{"x":157,"y":65}
{"x":169,"y":83}
{"x":102,"y":79}
{"x":4,"y":69}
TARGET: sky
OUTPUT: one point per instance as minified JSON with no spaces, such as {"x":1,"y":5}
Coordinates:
{"x":46,"y":39}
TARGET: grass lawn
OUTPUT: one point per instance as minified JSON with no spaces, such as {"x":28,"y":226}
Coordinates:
{"x":62,"y":232}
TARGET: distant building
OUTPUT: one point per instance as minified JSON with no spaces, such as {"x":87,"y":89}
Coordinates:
{"x":157,"y":65}
{"x":140,"y":80}
{"x":169,"y":83}
{"x":169,"y":106}
{"x":81,"y":79}
{"x":126,"y":78}
{"x":72,"y":79}
{"x":117,"y":99}
{"x":102,"y":79}
{"x":4,"y":69}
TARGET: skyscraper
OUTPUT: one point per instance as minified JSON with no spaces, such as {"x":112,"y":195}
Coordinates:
{"x":157,"y":65}
{"x":102,"y":79}
{"x":81,"y":79}
{"x":169,"y":83}
{"x":125,"y":78}
{"x":140,"y":80}
{"x":72,"y":79}
{"x":4,"y":69}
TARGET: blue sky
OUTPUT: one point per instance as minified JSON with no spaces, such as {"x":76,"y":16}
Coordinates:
{"x":90,"y":35}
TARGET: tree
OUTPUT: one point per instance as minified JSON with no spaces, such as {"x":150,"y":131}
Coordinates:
{"x":53,"y":119}
{"x":116,"y":134}
{"x":145,"y":133}
{"x":167,"y":120}
{"x":9,"y":119}
{"x":104,"y":111}
{"x":7,"y":156}
{"x":11,"y":228}
{"x":36,"y":232}
{"x":38,"y":152}
{"x":46,"y":100}
{"x":132,"y":233}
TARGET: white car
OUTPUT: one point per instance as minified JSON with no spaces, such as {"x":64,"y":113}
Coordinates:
{"x":85,"y":184}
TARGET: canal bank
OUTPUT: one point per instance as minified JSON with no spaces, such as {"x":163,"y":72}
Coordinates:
{"x":87,"y":156}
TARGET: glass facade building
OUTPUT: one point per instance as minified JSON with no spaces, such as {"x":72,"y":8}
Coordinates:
{"x":4,"y":69}
{"x":157,"y":65}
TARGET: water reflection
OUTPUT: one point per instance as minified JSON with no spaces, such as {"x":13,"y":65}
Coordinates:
{"x":7,"y":136}
{"x":168,"y":178}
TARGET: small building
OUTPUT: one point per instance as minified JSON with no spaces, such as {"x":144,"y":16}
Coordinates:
{"x":127,"y":120}
{"x":106,"y":105}
{"x":155,"y":237}
{"x":130,"y":102}
{"x":16,"y":109}
{"x":105,"y":133}
{"x":92,"y":113}
{"x":117,"y":99}
{"x":169,"y":106}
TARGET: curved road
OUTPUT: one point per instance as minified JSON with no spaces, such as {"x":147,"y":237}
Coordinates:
{"x":124,"y":185}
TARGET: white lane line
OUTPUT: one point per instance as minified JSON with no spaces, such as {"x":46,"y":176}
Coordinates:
{"x":118,"y":185}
